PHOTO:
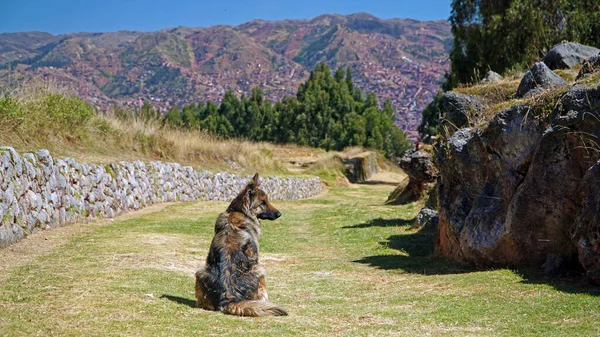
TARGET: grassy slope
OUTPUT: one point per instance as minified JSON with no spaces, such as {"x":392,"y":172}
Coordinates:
{"x":341,"y":264}
{"x":45,"y":115}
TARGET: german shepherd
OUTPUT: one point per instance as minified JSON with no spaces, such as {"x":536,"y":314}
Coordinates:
{"x":232,"y":280}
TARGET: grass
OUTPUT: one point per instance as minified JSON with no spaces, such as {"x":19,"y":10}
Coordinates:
{"x":494,"y":92}
{"x":342,"y":264}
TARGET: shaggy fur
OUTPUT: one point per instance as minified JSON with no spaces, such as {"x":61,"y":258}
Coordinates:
{"x":232,"y":280}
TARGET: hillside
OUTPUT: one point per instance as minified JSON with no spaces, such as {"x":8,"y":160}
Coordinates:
{"x":399,"y":59}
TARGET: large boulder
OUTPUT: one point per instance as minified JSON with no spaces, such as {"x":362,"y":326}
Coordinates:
{"x":547,"y":202}
{"x":568,"y":54}
{"x":539,"y":77}
{"x":460,"y":109}
{"x":507,"y":194}
{"x":361,"y":167}
{"x":422,"y":175}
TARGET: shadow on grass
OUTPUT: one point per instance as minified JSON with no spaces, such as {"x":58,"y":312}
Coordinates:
{"x":418,"y":257}
{"x":418,"y":249}
{"x":181,"y":300}
{"x":380,"y":222}
{"x":571,"y":281}
{"x":378,"y":182}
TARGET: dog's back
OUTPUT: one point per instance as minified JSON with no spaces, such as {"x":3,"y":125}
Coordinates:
{"x":232,"y":280}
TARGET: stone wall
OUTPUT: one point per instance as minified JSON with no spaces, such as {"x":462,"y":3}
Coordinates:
{"x":39,"y":192}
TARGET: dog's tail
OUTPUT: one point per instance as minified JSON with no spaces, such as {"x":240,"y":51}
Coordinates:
{"x":254,"y":308}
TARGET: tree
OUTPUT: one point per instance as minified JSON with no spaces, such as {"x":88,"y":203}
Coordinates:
{"x":147,"y":112}
{"x":349,"y":83}
{"x":328,"y":112}
{"x":173,"y":117}
{"x":188,"y":117}
{"x":501,"y":35}
{"x":430,"y":124}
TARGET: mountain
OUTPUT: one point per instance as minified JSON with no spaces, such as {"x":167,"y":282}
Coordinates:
{"x":400,"y":59}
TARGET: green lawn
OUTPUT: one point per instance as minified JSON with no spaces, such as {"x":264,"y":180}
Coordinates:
{"x":342,"y":264}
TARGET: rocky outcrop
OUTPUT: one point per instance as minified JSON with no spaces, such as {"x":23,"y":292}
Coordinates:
{"x":422,"y":175}
{"x":568,"y":54}
{"x":539,"y":78}
{"x":362,"y":167}
{"x":460,"y":109}
{"x":510,"y":194}
{"x":40,"y":192}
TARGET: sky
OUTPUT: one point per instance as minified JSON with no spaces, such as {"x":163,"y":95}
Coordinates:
{"x":70,"y":16}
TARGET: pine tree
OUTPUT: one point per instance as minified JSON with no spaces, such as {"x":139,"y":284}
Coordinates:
{"x":188,"y":117}
{"x":173,"y":117}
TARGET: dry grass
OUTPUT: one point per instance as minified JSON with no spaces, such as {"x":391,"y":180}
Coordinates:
{"x":591,"y":80}
{"x":195,"y":147}
{"x":27,"y":125}
{"x":568,"y":75}
{"x":501,"y":95}
{"x":493,"y":93}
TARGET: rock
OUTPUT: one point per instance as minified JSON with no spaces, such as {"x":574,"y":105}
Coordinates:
{"x":534,"y":92}
{"x":362,"y":167}
{"x":491,"y":77}
{"x":400,"y":195}
{"x":459,"y":109}
{"x":540,"y":76}
{"x":422,"y":175}
{"x":590,"y":66}
{"x":586,"y":230}
{"x":110,"y":213}
{"x":554,"y":265}
{"x":513,"y":136}
{"x":32,"y":199}
{"x":480,"y":172}
{"x":42,"y":217}
{"x":30,"y":157}
{"x":568,"y":54}
{"x":427,"y":218}
{"x":418,"y":164}
{"x":44,"y":156}
{"x":518,"y":190}
{"x":15,"y":159}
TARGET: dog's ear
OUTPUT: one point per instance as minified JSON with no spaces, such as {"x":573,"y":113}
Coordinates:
{"x":252,"y":186}
{"x":251,"y":190}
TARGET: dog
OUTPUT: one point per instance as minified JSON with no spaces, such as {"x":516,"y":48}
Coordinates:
{"x":232,"y":280}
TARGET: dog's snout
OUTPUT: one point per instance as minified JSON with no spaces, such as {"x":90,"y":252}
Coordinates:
{"x":277,"y":214}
